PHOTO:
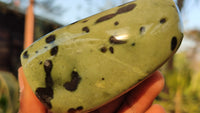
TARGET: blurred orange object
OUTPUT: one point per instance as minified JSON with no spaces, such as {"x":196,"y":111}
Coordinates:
{"x":28,"y":101}
{"x":29,"y":25}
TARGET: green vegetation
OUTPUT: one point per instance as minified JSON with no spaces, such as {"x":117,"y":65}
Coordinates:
{"x":182,"y":91}
{"x":9,"y":93}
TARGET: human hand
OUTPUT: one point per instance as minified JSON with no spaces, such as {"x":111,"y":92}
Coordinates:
{"x":138,"y":100}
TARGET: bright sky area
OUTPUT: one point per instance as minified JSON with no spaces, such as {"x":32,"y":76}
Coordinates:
{"x":74,"y":10}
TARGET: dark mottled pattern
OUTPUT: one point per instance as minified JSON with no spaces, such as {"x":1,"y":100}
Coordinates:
{"x":46,"y":94}
{"x":126,"y":8}
{"x":25,"y":55}
{"x":102,"y":78}
{"x":116,"y":23}
{"x":121,"y":10}
{"x":77,"y":110}
{"x":104,"y":18}
{"x":36,"y":52}
{"x":113,"y":40}
{"x":50,"y":39}
{"x":86,"y":29}
{"x":54,"y":51}
{"x":111,"y":50}
{"x":173,"y":43}
{"x":71,"y":110}
{"x":84,"y":21}
{"x":163,"y":20}
{"x":40,"y":62}
{"x":142,"y":30}
{"x":103,"y":49}
{"x":48,"y":67}
{"x":133,"y":44}
{"x":73,"y":84}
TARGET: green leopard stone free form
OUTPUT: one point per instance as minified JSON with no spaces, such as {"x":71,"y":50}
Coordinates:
{"x":89,"y":63}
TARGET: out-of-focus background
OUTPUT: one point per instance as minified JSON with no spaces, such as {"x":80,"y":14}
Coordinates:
{"x":182,"y":73}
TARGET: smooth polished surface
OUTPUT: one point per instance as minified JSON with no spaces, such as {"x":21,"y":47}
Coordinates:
{"x":90,"y":62}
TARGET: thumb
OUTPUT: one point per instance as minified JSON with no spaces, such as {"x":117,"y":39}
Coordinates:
{"x":28,"y":101}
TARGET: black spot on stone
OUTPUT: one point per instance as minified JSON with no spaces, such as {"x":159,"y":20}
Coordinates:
{"x":73,"y":84}
{"x":84,"y":21}
{"x":49,"y":81}
{"x":133,"y":44}
{"x":173,"y":43}
{"x":163,"y":20}
{"x":142,"y":30}
{"x":102,"y":78}
{"x":54,"y":51}
{"x":25,"y":55}
{"x":116,"y":23}
{"x":121,"y":10}
{"x":104,"y":18}
{"x":45,"y":47}
{"x":48,"y":67}
{"x":73,"y":110}
{"x":86,"y":29}
{"x":50,"y":39}
{"x":111,"y":50}
{"x":36,"y":52}
{"x":113,"y":40}
{"x":40,"y":62}
{"x":103,"y":49}
{"x":126,"y":8}
{"x":45,"y":95}
{"x":79,"y":108}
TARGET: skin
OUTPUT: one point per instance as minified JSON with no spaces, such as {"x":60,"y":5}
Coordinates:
{"x":138,"y":100}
